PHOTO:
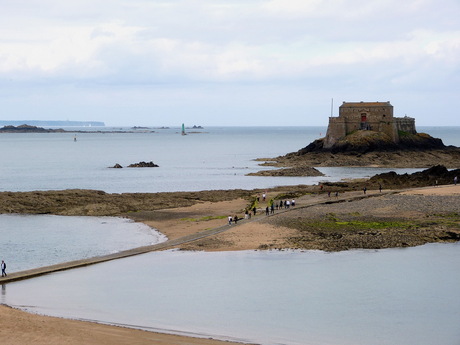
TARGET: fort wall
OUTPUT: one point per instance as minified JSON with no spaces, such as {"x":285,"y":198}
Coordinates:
{"x":405,"y":124}
{"x":337,"y":129}
{"x":374,"y":116}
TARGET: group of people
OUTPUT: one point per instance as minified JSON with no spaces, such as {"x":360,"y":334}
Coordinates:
{"x":232,"y":219}
{"x":336,"y":194}
{"x":270,"y":209}
{"x":279,"y":206}
{"x":286,"y":204}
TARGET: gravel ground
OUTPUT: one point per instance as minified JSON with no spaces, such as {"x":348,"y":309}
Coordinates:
{"x":391,"y":206}
{"x":378,"y":222}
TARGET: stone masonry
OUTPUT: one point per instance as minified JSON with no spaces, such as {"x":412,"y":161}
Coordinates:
{"x":367,"y":116}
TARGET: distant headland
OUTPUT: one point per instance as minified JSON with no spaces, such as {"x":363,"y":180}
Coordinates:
{"x":46,"y":123}
{"x":28,"y":129}
{"x":35,"y":129}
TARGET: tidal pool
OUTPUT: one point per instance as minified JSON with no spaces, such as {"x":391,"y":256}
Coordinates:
{"x":31,"y":241}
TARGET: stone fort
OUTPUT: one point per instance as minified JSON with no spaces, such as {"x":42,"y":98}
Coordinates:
{"x":367,"y":116}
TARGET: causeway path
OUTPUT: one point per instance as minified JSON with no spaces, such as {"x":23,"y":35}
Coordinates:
{"x":303,"y":202}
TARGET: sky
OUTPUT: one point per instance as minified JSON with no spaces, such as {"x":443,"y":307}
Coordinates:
{"x":227,"y":63}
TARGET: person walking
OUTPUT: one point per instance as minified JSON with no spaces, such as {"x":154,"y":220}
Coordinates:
{"x":230,"y":220}
{"x":455,"y":180}
{"x":3,"y":265}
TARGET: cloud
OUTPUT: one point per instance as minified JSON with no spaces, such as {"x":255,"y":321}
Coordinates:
{"x":321,"y":46}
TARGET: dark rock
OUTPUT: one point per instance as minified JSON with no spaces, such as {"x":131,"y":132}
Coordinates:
{"x":370,"y":141}
{"x":435,"y":175}
{"x":143,"y":165}
{"x":117,"y":166}
{"x":28,"y":129}
{"x":294,"y":171}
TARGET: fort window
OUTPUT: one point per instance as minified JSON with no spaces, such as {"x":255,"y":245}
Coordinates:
{"x":363,"y":118}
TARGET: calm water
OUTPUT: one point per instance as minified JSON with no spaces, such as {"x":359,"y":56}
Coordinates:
{"x":392,"y":296}
{"x":399,"y":296}
{"x":216,"y":158}
{"x":35,"y":241}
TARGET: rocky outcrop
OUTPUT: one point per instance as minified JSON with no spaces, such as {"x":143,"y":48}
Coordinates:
{"x":137,"y":165}
{"x":369,"y":148}
{"x":143,"y":165}
{"x":28,"y":129}
{"x":370,"y":141}
{"x":295,"y":171}
{"x":436,"y":175}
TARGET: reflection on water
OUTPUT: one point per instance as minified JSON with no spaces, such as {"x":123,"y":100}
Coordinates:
{"x":392,"y":296}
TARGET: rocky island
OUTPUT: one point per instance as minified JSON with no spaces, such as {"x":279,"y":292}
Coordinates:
{"x":137,"y":165}
{"x":28,"y":129}
{"x":367,"y":134}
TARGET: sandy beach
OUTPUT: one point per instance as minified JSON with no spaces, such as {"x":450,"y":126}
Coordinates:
{"x":22,"y":328}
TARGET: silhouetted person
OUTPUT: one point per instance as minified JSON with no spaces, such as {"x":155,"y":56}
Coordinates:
{"x":3,"y":265}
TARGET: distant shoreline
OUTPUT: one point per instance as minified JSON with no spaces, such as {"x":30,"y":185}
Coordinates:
{"x":35,"y":129}
{"x":25,"y":128}
{"x":50,"y":123}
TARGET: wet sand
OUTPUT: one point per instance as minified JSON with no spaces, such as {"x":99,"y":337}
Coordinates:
{"x":22,"y":328}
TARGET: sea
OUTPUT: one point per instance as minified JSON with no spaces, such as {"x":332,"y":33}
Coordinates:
{"x":207,"y":159}
{"x":391,"y":296}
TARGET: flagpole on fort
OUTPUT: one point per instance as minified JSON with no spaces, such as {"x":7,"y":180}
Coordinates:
{"x":332,"y":106}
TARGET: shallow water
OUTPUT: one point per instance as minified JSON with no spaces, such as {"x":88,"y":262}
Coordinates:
{"x":31,"y":241}
{"x":391,"y":296}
